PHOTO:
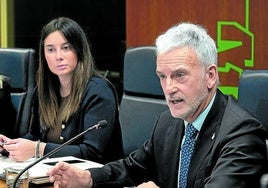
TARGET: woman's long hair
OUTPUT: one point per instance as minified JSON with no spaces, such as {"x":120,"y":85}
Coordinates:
{"x":48,"y":83}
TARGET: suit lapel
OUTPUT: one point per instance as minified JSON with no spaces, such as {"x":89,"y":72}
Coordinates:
{"x":207,"y":134}
{"x":171,"y":151}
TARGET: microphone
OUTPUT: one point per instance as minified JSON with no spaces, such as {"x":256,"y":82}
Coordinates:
{"x":99,"y":125}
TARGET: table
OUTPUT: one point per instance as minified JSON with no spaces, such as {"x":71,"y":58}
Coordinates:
{"x":41,"y":168}
{"x":3,"y":185}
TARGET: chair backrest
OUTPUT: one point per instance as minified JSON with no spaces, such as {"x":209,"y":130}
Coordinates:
{"x":253,"y":94}
{"x":143,"y":98}
{"x":20,"y":66}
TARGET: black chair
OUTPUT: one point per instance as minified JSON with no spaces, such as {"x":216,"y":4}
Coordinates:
{"x":253,"y":94}
{"x":143,"y":98}
{"x":20,"y":66}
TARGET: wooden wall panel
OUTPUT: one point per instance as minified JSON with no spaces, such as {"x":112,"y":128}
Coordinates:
{"x":242,"y":23}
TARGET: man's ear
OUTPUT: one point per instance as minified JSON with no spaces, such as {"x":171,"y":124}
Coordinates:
{"x":212,"y":76}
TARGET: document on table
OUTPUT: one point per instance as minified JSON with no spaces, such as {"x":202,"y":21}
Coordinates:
{"x":38,"y":172}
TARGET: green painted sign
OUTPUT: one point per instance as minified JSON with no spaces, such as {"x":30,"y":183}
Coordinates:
{"x":225,"y":45}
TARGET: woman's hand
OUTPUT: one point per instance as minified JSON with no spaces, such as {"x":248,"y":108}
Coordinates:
{"x":3,"y":140}
{"x":20,"y":149}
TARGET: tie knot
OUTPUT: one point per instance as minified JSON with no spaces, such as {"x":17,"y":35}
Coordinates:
{"x":191,"y":131}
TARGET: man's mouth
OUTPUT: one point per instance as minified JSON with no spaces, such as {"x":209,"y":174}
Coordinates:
{"x":175,"y":101}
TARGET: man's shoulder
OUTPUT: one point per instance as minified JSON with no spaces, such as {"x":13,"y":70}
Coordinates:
{"x":166,"y":119}
{"x":234,"y":108}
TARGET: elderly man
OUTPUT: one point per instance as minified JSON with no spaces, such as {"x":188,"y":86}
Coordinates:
{"x":204,"y":140}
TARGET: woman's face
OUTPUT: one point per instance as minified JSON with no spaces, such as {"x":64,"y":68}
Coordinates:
{"x":60,"y":55}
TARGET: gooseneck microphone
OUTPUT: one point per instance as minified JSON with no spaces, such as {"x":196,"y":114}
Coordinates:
{"x":99,"y":125}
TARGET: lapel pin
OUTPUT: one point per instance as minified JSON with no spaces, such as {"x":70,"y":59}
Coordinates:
{"x":213,"y":136}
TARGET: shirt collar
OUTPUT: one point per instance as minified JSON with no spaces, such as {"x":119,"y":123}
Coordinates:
{"x":201,"y":118}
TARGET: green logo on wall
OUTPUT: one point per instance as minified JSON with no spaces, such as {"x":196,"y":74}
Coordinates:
{"x":227,"y":44}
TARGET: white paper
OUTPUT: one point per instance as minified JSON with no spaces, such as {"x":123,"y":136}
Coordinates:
{"x":38,"y":172}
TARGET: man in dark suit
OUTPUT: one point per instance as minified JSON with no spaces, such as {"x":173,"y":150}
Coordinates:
{"x":229,"y":148}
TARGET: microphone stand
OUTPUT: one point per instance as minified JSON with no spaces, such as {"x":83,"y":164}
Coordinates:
{"x":99,"y":125}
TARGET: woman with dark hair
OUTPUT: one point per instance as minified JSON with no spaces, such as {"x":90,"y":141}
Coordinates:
{"x":71,"y":97}
{"x":7,"y":111}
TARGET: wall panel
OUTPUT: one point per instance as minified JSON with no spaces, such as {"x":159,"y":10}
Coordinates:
{"x":239,"y":28}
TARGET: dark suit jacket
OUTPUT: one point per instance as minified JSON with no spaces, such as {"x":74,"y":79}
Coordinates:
{"x":102,"y":145}
{"x":230,"y":152}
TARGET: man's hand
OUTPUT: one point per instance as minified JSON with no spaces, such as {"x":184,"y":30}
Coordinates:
{"x":148,"y":184}
{"x":65,"y":175}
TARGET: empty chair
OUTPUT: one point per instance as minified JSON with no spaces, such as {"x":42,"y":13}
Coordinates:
{"x":253,"y":94}
{"x":20,"y":66}
{"x":143,"y":98}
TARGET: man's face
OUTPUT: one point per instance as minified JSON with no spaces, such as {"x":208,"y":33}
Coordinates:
{"x":184,"y":82}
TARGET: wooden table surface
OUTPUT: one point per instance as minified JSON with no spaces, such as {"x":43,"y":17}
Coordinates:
{"x":3,"y":184}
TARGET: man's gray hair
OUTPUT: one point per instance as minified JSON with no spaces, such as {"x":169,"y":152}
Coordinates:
{"x":189,"y":35}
